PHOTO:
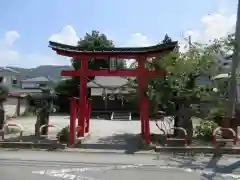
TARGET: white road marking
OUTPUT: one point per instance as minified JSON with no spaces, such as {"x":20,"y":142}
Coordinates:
{"x":65,"y":173}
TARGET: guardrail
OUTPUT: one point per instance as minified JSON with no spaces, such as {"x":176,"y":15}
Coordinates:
{"x":48,"y":125}
{"x":234,"y":139}
{"x":164,"y":134}
{"x":185,"y":135}
{"x":13,"y":125}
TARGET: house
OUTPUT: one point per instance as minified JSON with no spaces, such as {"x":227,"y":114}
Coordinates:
{"x":9,"y":77}
{"x":225,"y":62}
{"x":107,"y":93}
{"x":37,"y":83}
{"x":16,"y":102}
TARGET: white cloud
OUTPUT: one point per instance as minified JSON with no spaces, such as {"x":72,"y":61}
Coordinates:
{"x":139,"y":40}
{"x":7,"y":54}
{"x":215,"y":26}
{"x":11,"y":57}
{"x":67,"y":35}
{"x":11,"y":37}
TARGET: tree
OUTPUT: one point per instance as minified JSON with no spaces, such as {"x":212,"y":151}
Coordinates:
{"x":3,"y":97}
{"x":179,"y":88}
{"x":166,"y":39}
{"x":93,"y":40}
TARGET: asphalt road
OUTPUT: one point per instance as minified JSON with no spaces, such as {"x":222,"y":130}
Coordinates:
{"x":42,"y":165}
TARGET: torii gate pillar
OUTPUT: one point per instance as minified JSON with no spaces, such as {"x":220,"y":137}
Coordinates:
{"x":83,"y":111}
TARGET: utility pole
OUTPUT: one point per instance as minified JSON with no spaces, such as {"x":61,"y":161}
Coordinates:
{"x":190,"y":41}
{"x":235,"y":61}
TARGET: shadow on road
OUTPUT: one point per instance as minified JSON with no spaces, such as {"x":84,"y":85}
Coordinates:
{"x":216,"y":168}
{"x":130,"y":143}
{"x":213,"y":165}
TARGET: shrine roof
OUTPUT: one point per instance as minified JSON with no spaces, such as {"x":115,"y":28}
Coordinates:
{"x":75,"y":49}
{"x":107,"y":81}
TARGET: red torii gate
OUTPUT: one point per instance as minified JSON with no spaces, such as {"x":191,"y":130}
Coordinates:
{"x":139,"y":53}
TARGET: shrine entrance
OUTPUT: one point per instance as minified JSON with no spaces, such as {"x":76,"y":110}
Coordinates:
{"x":141,"y":54}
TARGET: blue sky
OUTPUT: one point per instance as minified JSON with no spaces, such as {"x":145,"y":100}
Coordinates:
{"x":34,"y":22}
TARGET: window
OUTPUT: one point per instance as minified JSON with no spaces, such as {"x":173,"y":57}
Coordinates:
{"x":1,"y":79}
{"x":14,"y":80}
{"x":42,"y":85}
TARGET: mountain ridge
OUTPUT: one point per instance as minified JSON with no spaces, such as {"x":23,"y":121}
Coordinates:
{"x":52,"y":71}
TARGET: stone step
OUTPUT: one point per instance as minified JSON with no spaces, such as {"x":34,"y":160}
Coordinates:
{"x":121,"y":116}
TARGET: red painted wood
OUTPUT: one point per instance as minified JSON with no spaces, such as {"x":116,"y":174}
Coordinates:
{"x":141,"y":87}
{"x":103,"y":55}
{"x":147,"y":126}
{"x":72,"y":128}
{"x":113,"y":73}
{"x":83,"y":99}
{"x":140,"y":73}
{"x":12,"y":124}
{"x":144,"y":105}
{"x":89,"y":109}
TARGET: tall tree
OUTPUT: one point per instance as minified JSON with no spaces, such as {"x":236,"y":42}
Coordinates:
{"x":166,"y":39}
{"x":93,"y":40}
{"x":3,"y":97}
{"x":179,"y":88}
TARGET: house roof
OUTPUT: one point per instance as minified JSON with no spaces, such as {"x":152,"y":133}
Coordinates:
{"x":36,"y":79}
{"x":158,"y":47}
{"x":107,"y":81}
{"x":9,"y":69}
{"x":20,"y":90}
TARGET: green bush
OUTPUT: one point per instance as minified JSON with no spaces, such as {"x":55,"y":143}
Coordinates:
{"x":62,"y":136}
{"x":3,"y":93}
{"x":205,"y":129}
{"x":217,"y":115}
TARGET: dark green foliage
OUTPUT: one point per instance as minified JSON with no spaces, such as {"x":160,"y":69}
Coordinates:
{"x":166,"y":39}
{"x":217,"y":114}
{"x":3,"y":97}
{"x":62,"y":136}
{"x":3,"y":93}
{"x":205,"y":129}
{"x":91,"y":40}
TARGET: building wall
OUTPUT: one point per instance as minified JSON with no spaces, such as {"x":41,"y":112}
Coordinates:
{"x":29,"y":85}
{"x":9,"y":77}
{"x":225,"y":63}
{"x":98,"y":104}
{"x":26,"y":85}
{"x":10,"y":106}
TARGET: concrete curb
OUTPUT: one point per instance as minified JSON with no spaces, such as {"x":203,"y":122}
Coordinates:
{"x":199,"y":149}
{"x":145,"y":146}
{"x":80,"y":140}
{"x":31,"y":145}
{"x":99,"y":151}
